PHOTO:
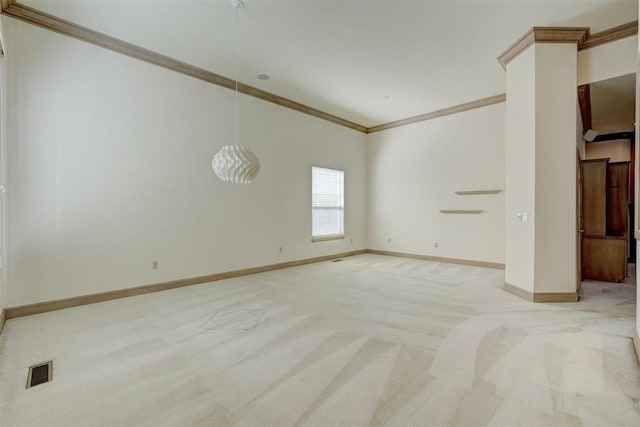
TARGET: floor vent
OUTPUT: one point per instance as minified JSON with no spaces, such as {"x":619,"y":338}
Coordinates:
{"x":336,"y":260}
{"x":40,"y":374}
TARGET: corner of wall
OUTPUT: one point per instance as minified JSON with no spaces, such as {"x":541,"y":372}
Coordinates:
{"x":636,"y":343}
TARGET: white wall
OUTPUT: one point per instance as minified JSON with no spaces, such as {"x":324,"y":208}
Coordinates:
{"x":109,"y":169}
{"x":607,"y":61}
{"x":616,"y":151}
{"x":413,"y":172}
{"x":520,"y":170}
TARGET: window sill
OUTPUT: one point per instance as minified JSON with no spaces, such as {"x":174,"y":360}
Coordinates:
{"x":327,"y":238}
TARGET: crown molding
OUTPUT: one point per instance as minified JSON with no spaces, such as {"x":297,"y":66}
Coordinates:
{"x":543,"y":35}
{"x":484,"y":102}
{"x":579,"y":35}
{"x":629,"y":29}
{"x":4,"y":4}
{"x":67,"y":28}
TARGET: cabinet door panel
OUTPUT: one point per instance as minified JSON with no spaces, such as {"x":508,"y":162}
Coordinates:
{"x":617,"y":198}
{"x":594,"y":197}
{"x":604,"y":259}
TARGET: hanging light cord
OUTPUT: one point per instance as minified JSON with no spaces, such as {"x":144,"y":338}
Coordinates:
{"x":237,"y":5}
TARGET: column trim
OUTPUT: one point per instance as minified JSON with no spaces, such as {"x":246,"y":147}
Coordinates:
{"x":576,"y":35}
{"x":579,"y":35}
{"x":541,"y":296}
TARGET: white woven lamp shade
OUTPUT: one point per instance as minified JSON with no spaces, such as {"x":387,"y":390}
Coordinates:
{"x":235,"y":164}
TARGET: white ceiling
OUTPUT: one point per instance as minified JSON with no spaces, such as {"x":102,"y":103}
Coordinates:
{"x":370,"y":62}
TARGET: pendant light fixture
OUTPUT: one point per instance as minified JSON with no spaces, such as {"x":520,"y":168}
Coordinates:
{"x":234,"y":163}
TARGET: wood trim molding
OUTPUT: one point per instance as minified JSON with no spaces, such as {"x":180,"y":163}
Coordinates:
{"x":6,"y":3}
{"x":612,"y":34}
{"x":519,"y":292}
{"x":61,"y":26}
{"x":484,"y":102}
{"x":476,"y":192}
{"x":556,"y":297}
{"x":43,"y":307}
{"x":541,"y":296}
{"x":584,"y":100}
{"x":70,"y":29}
{"x":543,"y":35}
{"x":636,"y":343}
{"x":438,"y":259}
{"x":327,"y":238}
{"x":579,"y":35}
{"x":461,"y":211}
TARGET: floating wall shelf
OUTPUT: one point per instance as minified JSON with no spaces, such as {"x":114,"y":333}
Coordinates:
{"x":475,"y":192}
{"x":460,"y":211}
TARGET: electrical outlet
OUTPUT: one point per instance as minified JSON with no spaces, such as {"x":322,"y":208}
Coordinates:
{"x":154,"y":265}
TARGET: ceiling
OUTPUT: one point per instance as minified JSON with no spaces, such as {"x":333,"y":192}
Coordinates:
{"x":613,"y":104}
{"x":370,"y":62}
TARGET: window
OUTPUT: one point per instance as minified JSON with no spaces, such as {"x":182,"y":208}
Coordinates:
{"x":327,"y":204}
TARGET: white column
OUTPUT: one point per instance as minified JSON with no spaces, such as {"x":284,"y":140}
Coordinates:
{"x":540,"y":172}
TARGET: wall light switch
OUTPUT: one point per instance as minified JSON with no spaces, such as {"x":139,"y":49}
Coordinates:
{"x":519,"y":216}
{"x":525,"y":216}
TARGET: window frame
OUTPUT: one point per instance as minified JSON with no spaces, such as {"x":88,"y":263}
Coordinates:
{"x":329,"y":237}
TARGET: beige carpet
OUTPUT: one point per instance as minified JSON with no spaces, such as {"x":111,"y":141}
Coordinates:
{"x":371,"y":340}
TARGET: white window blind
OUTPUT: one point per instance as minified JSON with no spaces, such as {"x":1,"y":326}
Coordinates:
{"x":327,"y":202}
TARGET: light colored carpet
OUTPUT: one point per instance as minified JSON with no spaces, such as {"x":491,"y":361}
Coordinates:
{"x":371,"y":340}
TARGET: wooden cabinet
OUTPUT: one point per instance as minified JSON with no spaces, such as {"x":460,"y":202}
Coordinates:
{"x":594,"y":197}
{"x":604,"y":258}
{"x":617,"y":199}
{"x":605,"y":219}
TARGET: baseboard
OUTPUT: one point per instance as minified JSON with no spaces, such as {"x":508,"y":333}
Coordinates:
{"x":438,"y":259}
{"x":43,"y":307}
{"x":556,"y":297}
{"x":636,"y":343}
{"x":541,"y":296}
{"x":519,"y":292}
